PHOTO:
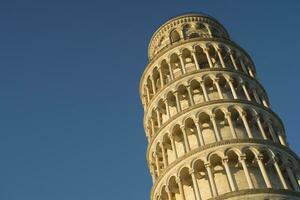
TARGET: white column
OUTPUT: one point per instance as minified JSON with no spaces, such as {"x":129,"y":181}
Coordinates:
{"x":158,"y":118}
{"x":278,"y":170}
{"x":157,"y":164}
{"x":262,"y":131}
{"x":220,"y":57}
{"x":167,"y":108}
{"x":244,"y":119}
{"x":257,"y":99}
{"x":182,"y":63}
{"x":178,"y":106}
{"x":233,"y":61}
{"x":164,"y":155}
{"x":195,"y":59}
{"x":243,"y":65}
{"x":228,"y":117}
{"x":169,"y":193}
{"x":246,"y":92}
{"x":218,"y":88}
{"x":152,"y":126}
{"x":208,"y":57}
{"x":201,"y":140}
{"x":228,"y":173}
{"x":195,"y":184}
{"x":190,"y":95}
{"x":204,"y":91}
{"x":180,"y":186}
{"x":161,"y":77}
{"x":263,"y":171}
{"x":264,"y":102}
{"x":246,"y":171}
{"x":211,"y":180}
{"x":153,"y":85}
{"x":173,"y":146}
{"x":170,"y":69}
{"x":272,"y":132}
{"x":185,"y":138}
{"x":213,"y":121}
{"x":148,"y":94}
{"x":230,"y":82}
{"x":292,"y":178}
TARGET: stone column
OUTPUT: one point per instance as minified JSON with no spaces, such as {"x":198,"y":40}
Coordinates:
{"x":152,"y":126}
{"x":158,"y":118}
{"x":190,"y":96}
{"x":244,"y":119}
{"x":220,"y":57}
{"x":157,"y":164}
{"x":153,"y":84}
{"x":204,"y":91}
{"x":263,"y":171}
{"x":161,"y":77}
{"x":180,"y":186}
{"x":246,"y":92}
{"x":195,"y":184}
{"x":228,"y":173}
{"x":257,"y":99}
{"x":245,"y":169}
{"x":292,"y":178}
{"x":262,"y":131}
{"x":243,"y":65}
{"x":178,"y":106}
{"x":213,"y":121}
{"x":164,"y":155}
{"x":272,"y":132}
{"x":228,"y":118}
{"x":148,"y":94}
{"x":230,"y":82}
{"x":170,"y":69}
{"x":208,"y":57}
{"x":167,"y":108}
{"x":173,"y":146}
{"x":201,"y":140}
{"x":195,"y":59}
{"x":185,"y":138}
{"x":218,"y":88}
{"x":278,"y":170}
{"x":211,"y":180}
{"x":182,"y":63}
{"x":169,"y":193}
{"x":232,"y":60}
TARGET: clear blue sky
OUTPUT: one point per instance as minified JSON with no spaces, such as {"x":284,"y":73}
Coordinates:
{"x":70,"y":114}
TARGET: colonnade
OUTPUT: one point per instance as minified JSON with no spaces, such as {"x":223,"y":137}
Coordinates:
{"x":200,"y":90}
{"x":208,"y":127}
{"x":250,"y":168}
{"x":188,"y":60}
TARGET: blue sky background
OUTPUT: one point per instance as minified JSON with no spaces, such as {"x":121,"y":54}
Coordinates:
{"x":70,"y":114}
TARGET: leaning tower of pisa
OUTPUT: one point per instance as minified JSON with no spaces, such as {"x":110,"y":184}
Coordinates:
{"x":210,"y":130}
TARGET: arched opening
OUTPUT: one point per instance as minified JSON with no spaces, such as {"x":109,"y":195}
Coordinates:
{"x":188,"y":60}
{"x":219,"y":174}
{"x":187,"y":184}
{"x":192,"y":134}
{"x":206,"y":128}
{"x":174,"y":36}
{"x":201,"y":58}
{"x":197,"y":92}
{"x":179,"y":140}
{"x":183,"y":97}
{"x":202,"y":179}
{"x":176,"y":65}
{"x":171,"y":99}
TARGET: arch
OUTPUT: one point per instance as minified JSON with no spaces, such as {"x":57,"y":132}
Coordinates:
{"x":174,"y":36}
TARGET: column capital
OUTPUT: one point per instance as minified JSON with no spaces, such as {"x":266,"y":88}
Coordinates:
{"x":228,"y":114}
{"x":225,"y":159}
{"x":259,"y":157}
{"x":178,"y":180}
{"x":191,"y":171}
{"x":242,"y":157}
{"x":170,"y":135}
{"x":212,"y":116}
{"x":243,"y":114}
{"x":207,"y":165}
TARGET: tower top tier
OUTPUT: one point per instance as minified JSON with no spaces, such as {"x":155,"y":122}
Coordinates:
{"x":184,"y":27}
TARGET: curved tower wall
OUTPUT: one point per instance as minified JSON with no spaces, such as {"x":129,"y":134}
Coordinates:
{"x":210,"y":130}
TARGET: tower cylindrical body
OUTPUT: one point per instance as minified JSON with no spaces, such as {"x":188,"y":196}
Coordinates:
{"x":210,"y":130}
